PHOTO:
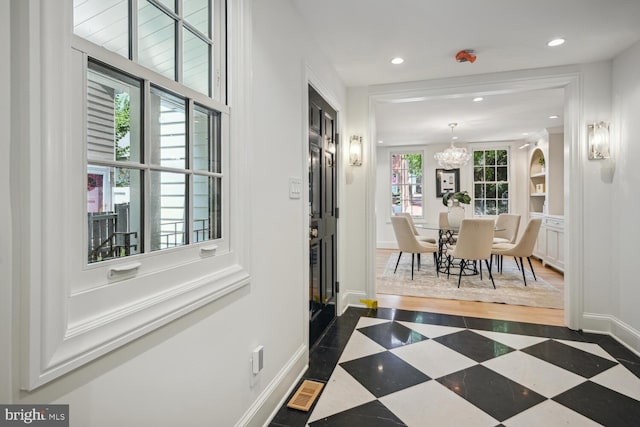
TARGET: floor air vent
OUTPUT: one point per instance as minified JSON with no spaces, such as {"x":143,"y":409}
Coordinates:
{"x":306,"y":394}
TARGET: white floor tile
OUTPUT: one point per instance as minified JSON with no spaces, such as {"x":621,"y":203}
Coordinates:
{"x":621,"y":380}
{"x":370,"y":321}
{"x":512,"y":340}
{"x":538,"y":375}
{"x":431,"y":331}
{"x":341,"y":392}
{"x":433,"y":358}
{"x":432,"y":404}
{"x":359,"y":345}
{"x":590,"y":348}
{"x":549,"y":413}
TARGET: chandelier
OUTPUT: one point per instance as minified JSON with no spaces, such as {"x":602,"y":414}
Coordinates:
{"x":453,"y":157}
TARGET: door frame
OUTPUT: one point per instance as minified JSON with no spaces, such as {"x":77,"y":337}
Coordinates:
{"x":310,"y":78}
{"x":568,"y":78}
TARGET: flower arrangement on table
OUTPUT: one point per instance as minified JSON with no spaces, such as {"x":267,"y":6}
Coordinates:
{"x":450,"y":198}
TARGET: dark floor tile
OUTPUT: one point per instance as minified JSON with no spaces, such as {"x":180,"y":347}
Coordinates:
{"x":372,"y":414}
{"x":322,"y":361}
{"x":521,"y":328}
{"x":392,"y":334}
{"x":474,"y":346}
{"x":384,"y":373}
{"x":495,"y":394}
{"x":287,"y":417}
{"x":602,"y":405}
{"x":420,"y":317}
{"x":625,"y":356}
{"x":570,"y":358}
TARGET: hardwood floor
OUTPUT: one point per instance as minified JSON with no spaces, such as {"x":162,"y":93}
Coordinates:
{"x":547,"y":316}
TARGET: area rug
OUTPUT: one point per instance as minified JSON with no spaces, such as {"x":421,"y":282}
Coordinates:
{"x":509,"y":286}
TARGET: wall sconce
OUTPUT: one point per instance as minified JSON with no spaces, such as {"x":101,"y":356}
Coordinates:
{"x":599,"y":141}
{"x":355,"y":150}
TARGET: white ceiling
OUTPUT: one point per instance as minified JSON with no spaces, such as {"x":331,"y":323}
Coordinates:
{"x":360,"y":37}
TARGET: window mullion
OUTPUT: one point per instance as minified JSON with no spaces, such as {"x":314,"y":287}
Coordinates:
{"x":133,"y":30}
{"x":146,"y":156}
{"x":190,"y":166}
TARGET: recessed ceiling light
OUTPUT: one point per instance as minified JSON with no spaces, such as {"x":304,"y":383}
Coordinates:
{"x":397,"y":61}
{"x":380,"y":142}
{"x":478,"y":99}
{"x":454,"y":137}
{"x":556,"y":42}
{"x":525,"y":133}
{"x":555,"y":116}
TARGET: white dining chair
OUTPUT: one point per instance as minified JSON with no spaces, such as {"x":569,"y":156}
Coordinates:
{"x":522,"y":248}
{"x":475,"y":241}
{"x":407,"y":242}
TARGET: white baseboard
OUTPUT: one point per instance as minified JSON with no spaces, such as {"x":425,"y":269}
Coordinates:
{"x":352,"y":299}
{"x":268,"y":403}
{"x":610,"y":325}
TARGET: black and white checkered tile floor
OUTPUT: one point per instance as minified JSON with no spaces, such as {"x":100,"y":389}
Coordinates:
{"x":392,"y":367}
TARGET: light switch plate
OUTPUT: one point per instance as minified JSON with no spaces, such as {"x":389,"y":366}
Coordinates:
{"x":295,"y":188}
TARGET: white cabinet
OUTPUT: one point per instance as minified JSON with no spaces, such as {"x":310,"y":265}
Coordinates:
{"x":550,"y":244}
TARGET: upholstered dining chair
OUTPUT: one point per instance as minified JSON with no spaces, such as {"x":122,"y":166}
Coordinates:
{"x":407,"y":242}
{"x":475,"y":241}
{"x":507,"y":226}
{"x":522,"y":248}
{"x":415,"y":230}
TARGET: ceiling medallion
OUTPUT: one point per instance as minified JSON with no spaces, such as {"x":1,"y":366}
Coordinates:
{"x":453,"y":157}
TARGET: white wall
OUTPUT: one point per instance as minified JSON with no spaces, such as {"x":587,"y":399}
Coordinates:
{"x":624,"y":203}
{"x":195,"y":371}
{"x":6,"y":294}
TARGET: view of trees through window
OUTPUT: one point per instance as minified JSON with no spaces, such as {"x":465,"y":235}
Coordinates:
{"x":406,"y":183}
{"x":490,"y":182}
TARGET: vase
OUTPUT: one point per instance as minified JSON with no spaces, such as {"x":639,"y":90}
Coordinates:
{"x":456,"y":214}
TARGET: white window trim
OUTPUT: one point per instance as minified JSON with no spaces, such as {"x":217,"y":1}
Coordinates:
{"x":389,"y":180}
{"x":64,"y":326}
{"x":491,"y":147}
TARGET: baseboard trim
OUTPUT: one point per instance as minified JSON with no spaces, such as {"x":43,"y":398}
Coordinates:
{"x":265,"y":407}
{"x":610,"y":325}
{"x":352,"y":299}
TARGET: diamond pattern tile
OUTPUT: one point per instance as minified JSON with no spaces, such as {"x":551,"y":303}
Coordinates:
{"x":409,"y":368}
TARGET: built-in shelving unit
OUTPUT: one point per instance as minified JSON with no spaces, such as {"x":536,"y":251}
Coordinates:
{"x":537,"y":182}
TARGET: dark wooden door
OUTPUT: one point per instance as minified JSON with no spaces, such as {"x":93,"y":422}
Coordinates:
{"x":323,"y":214}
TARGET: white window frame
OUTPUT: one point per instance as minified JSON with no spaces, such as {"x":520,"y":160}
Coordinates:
{"x":73,"y":312}
{"x":390,"y":193}
{"x":473,"y":177}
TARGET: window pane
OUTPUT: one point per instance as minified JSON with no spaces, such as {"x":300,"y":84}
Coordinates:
{"x":501,"y":173}
{"x":503,"y":191}
{"x":491,"y":208}
{"x":503,"y":206}
{"x":103,"y":22}
{"x":478,"y":191}
{"x":478,"y":207}
{"x":490,"y":174}
{"x":156,"y":40}
{"x":171,"y":4}
{"x":478,"y":174}
{"x":196,"y":13}
{"x":167,"y":206}
{"x":501,"y":157}
{"x":114,"y":212}
{"x":114,"y":115}
{"x":167,"y":130}
{"x":491,"y":191}
{"x":478,"y":158}
{"x":490,"y":157}
{"x":195,"y":62}
{"x":206,"y":208}
{"x":206,"y":140}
